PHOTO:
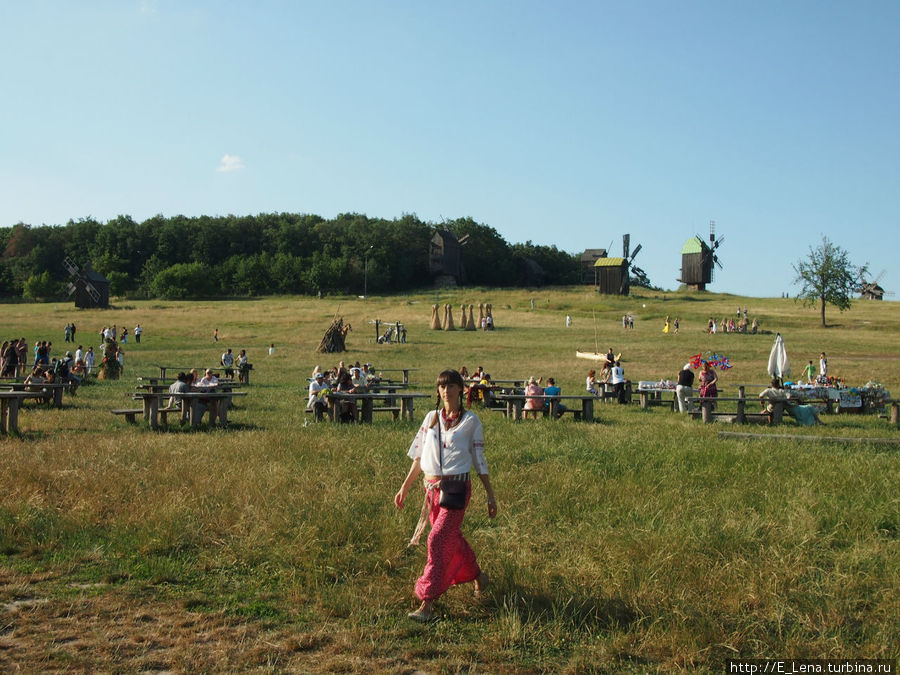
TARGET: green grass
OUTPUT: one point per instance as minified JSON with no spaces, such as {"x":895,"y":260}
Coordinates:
{"x":640,"y":543}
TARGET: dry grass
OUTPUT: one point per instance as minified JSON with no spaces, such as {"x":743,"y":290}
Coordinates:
{"x":638,"y":543}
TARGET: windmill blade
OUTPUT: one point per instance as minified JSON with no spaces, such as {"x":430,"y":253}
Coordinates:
{"x":626,"y":245}
{"x":93,"y":292}
{"x":463,"y":240}
{"x":718,"y":243}
{"x":70,"y":266}
{"x":879,"y":277}
{"x":70,"y":289}
{"x":716,"y":261}
{"x":635,"y":252}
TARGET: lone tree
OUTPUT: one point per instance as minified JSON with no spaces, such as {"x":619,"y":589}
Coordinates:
{"x":827,"y":276}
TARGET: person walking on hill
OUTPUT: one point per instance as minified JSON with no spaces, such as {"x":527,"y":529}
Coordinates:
{"x":448,"y":444}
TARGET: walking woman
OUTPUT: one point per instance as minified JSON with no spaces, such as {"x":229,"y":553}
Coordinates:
{"x":448,"y":444}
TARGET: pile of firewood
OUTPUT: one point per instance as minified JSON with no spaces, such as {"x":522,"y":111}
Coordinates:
{"x":333,"y":340}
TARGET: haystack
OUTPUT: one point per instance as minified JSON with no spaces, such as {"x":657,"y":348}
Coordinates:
{"x":448,"y":318}
{"x":470,"y":324}
{"x":435,"y":321}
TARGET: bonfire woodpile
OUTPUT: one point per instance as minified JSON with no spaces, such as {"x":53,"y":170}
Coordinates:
{"x":334,"y":338}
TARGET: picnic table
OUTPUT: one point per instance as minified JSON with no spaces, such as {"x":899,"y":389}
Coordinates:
{"x":366,"y":404}
{"x":52,"y":391}
{"x":515,"y":404}
{"x":190,"y":407}
{"x":9,"y":411}
{"x":652,"y":394}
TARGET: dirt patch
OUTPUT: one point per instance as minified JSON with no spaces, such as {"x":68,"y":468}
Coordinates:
{"x":114,"y":631}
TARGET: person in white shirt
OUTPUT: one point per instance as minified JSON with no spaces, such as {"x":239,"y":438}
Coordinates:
{"x":448,"y":444}
{"x":318,"y":403}
{"x":79,"y":354}
{"x":617,"y":379}
{"x":208,"y":380}
{"x":227,"y":362}
{"x":89,"y":360}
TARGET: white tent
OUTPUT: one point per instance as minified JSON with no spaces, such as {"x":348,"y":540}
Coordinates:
{"x":779,"y":366}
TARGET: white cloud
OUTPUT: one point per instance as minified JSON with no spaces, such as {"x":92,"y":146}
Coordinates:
{"x":230,"y":163}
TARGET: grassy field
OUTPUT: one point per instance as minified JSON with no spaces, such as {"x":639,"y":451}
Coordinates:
{"x":640,"y":543}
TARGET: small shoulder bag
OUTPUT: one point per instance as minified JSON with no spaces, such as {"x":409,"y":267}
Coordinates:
{"x":453,"y":491}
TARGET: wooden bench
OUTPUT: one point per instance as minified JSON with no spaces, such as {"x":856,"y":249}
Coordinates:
{"x":708,"y":415}
{"x":129,"y":413}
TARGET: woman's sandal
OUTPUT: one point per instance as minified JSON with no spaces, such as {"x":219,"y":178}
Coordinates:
{"x":422,"y":616}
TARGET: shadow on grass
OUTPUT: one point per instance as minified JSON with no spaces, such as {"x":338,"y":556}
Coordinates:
{"x":578,"y":611}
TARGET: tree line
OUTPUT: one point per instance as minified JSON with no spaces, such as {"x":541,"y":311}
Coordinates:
{"x":279,"y":253}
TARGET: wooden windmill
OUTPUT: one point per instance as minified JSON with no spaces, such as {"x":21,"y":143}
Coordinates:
{"x":699,"y":260}
{"x":91,"y":290}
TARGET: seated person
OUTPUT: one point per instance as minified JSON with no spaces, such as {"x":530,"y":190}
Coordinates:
{"x":179,"y":386}
{"x":358,"y":379}
{"x":347,"y":410}
{"x":208,"y":381}
{"x":768,"y":397}
{"x":552,"y":390}
{"x":481,"y":391}
{"x":533,"y":405}
{"x":805,"y":414}
{"x":38,"y":377}
{"x":318,"y":391}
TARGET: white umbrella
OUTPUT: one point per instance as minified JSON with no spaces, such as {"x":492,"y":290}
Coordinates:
{"x":779,"y":366}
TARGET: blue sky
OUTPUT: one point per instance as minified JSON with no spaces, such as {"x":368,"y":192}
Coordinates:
{"x":564,"y":123}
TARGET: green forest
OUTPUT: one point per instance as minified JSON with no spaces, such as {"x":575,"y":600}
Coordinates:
{"x":278,"y":253}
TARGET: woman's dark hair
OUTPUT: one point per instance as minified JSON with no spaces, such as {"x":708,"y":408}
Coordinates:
{"x":450,"y":376}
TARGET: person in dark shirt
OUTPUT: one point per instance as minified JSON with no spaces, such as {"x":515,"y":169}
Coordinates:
{"x":685,"y":388}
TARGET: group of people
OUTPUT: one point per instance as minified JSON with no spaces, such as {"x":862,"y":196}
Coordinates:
{"x":534,"y":405}
{"x":45,"y":368}
{"x":192,"y":382}
{"x":670,"y":325}
{"x":611,"y":373}
{"x":628,"y":321}
{"x":726,"y":325}
{"x":354,"y":379}
{"x":684,"y":389}
{"x":116,"y":334}
{"x":230,"y":363}
{"x":810,"y":371}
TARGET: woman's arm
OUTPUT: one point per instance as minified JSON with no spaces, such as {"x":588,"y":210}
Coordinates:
{"x":491,"y":500}
{"x":414,"y":472}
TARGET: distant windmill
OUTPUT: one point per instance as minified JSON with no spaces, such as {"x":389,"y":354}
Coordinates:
{"x":699,"y":260}
{"x":91,"y":290}
{"x":870,"y":290}
{"x":613,"y":275}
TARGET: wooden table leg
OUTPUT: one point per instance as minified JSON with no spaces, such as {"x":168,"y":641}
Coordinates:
{"x":154,"y":411}
{"x":223,"y":411}
{"x":147,"y":406}
{"x":518,"y":405}
{"x":587,"y":409}
{"x":4,"y":415}
{"x":367,"y":405}
{"x":57,"y":397}
{"x":195,"y":412}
